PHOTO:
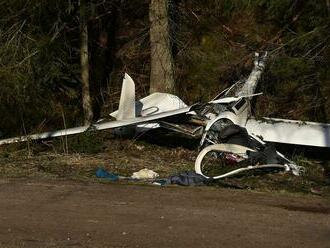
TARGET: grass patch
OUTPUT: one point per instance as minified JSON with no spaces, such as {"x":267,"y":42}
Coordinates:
{"x":125,"y":156}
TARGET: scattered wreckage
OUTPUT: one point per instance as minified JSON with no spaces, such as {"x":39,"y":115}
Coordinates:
{"x":226,"y":128}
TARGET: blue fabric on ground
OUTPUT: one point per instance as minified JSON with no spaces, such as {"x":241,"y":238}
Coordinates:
{"x":102,"y":173}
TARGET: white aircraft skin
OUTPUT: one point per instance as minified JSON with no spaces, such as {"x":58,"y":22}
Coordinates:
{"x":149,"y":112}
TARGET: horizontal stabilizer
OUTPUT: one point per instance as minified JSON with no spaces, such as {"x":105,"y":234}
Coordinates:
{"x":153,"y":104}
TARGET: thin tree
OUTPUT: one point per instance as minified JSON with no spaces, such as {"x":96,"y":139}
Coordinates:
{"x":161,"y":74}
{"x":86,"y":98}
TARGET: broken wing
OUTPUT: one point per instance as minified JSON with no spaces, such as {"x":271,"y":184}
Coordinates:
{"x":290,"y":131}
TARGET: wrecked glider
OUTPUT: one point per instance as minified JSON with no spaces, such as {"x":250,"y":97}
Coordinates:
{"x":226,"y":128}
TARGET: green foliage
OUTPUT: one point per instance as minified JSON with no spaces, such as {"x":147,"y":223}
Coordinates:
{"x":277,"y":12}
{"x":287,"y":68}
{"x":213,"y":42}
{"x":35,"y":66}
{"x":222,"y":37}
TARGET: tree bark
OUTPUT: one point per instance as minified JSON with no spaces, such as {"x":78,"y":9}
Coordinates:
{"x":86,"y":98}
{"x":161,"y":74}
{"x":102,"y":56}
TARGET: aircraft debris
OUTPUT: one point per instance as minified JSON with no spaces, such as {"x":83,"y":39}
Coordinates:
{"x":225,"y":126}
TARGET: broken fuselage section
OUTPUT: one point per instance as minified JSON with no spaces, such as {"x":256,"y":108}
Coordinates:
{"x":225,"y":126}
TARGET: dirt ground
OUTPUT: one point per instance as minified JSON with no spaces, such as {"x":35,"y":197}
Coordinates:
{"x":58,"y":213}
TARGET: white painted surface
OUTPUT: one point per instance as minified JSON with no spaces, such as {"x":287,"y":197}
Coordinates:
{"x":126,"y":108}
{"x":162,"y":101}
{"x":154,"y":104}
{"x":97,"y":126}
{"x":291,"y":132}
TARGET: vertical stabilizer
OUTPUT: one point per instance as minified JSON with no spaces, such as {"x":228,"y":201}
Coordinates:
{"x":126,"y":108}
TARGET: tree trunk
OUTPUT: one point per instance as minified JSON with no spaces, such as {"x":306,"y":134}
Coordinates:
{"x":102,"y":56}
{"x":161,"y":74}
{"x":86,"y":99}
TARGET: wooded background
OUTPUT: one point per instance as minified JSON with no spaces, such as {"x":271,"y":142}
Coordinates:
{"x":210,"y":45}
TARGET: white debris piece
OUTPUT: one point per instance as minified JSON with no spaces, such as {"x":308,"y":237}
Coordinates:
{"x":145,"y":174}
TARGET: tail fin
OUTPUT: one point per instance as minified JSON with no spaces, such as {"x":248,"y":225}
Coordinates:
{"x":126,"y":108}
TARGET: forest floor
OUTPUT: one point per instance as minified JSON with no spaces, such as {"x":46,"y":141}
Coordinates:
{"x":79,"y":157}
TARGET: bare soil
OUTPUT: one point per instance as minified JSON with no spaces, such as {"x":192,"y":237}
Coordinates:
{"x":57,"y":213}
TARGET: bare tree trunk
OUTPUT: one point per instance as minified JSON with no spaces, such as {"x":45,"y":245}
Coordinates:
{"x":161,"y":74}
{"x":86,"y":98}
{"x":102,"y":56}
